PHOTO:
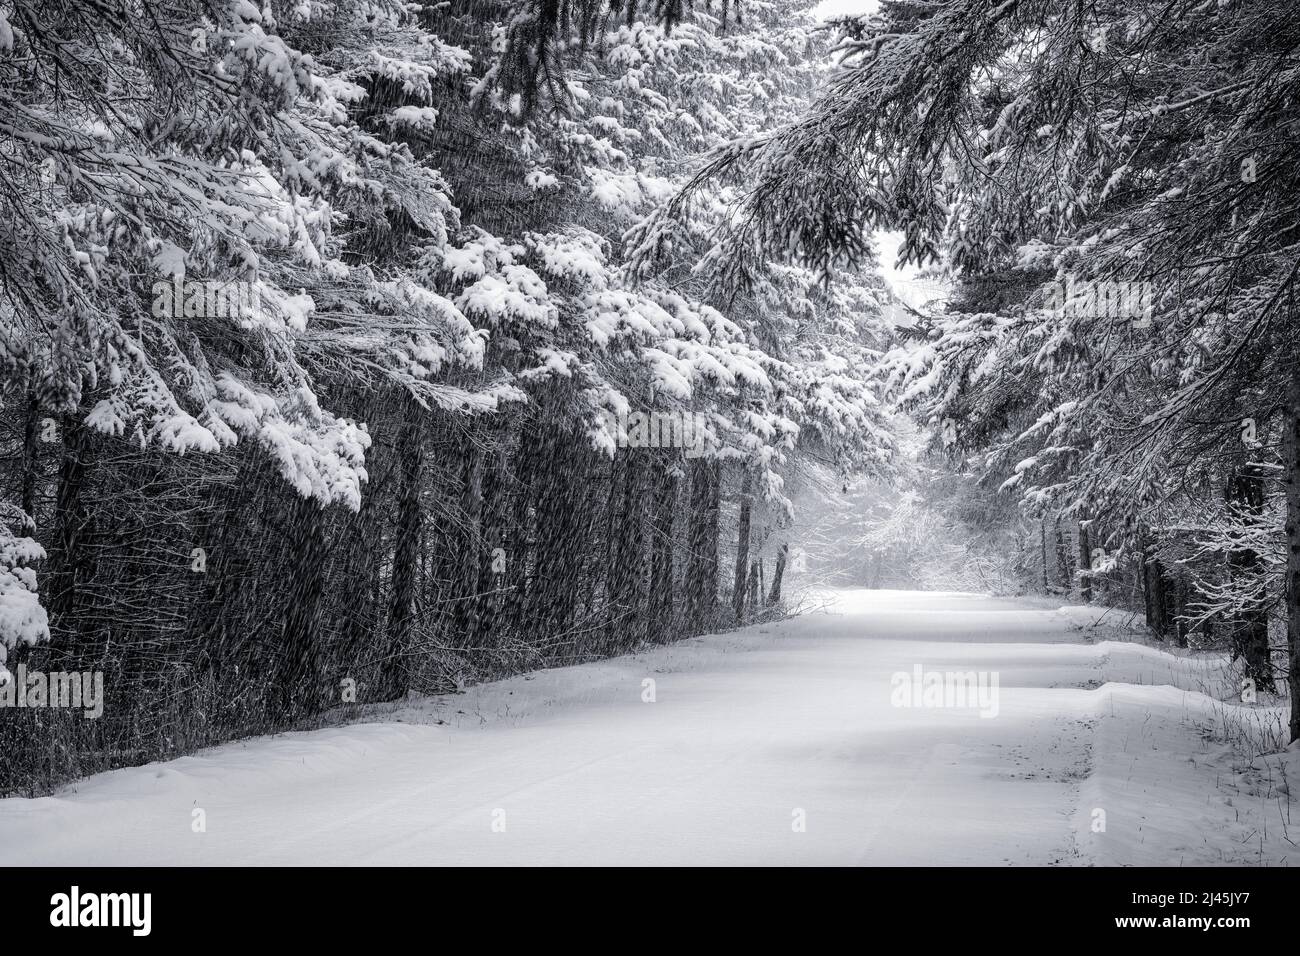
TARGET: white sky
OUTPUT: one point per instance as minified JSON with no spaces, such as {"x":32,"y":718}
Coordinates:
{"x":901,"y":280}
{"x":887,"y":244}
{"x":830,"y":8}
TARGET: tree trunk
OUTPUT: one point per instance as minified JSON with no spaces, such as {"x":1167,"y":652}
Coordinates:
{"x":494,"y":551}
{"x":468,"y":562}
{"x":301,"y":674}
{"x":628,"y":564}
{"x":1245,"y":494}
{"x":1063,"y":560}
{"x":360,"y":594}
{"x":212,"y":621}
{"x":1085,"y":563}
{"x":406,"y":551}
{"x":1144,"y":573}
{"x":31,"y":434}
{"x":661,"y":553}
{"x":742,"y":548}
{"x":1159,"y":600}
{"x":69,"y":561}
{"x":559,"y":502}
{"x":1291,"y":481}
{"x":702,"y":561}
{"x":514,"y":602}
{"x":777,"y":574}
{"x":1042,"y":541}
{"x":1180,"y":608}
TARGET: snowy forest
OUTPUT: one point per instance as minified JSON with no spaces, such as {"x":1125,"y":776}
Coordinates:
{"x":356,"y":357}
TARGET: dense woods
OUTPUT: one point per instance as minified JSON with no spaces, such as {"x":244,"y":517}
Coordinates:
{"x":329,"y":373}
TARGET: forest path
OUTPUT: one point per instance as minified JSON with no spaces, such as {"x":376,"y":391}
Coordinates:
{"x":749,"y":734}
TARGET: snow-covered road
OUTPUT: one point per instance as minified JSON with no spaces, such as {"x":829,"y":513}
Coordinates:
{"x":780,"y":744}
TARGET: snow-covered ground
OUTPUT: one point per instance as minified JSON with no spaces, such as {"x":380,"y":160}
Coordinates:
{"x":779,"y":744}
